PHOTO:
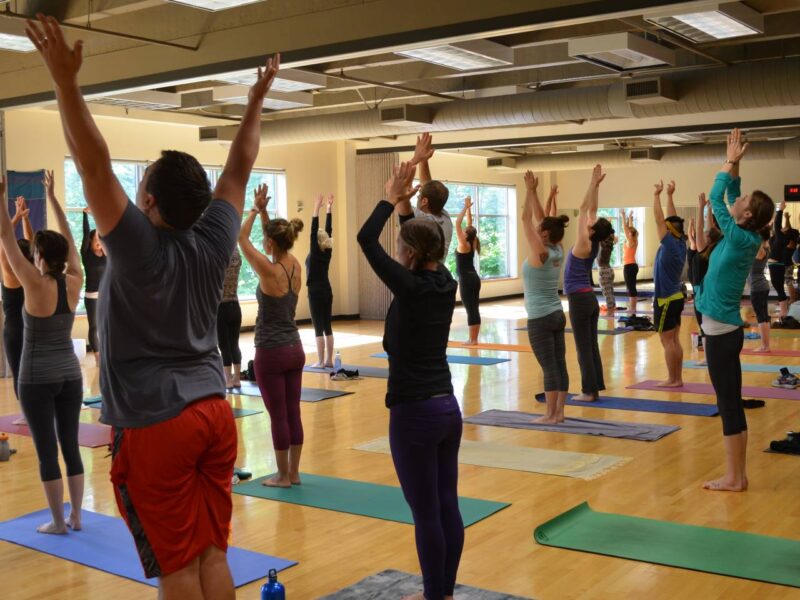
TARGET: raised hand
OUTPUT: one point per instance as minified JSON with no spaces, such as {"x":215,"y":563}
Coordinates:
{"x":62,"y":61}
{"x":737,"y":147}
{"x":318,"y":203}
{"x":701,"y":200}
{"x":260,"y":198}
{"x":597,"y":175}
{"x":553,"y":191}
{"x":21,"y":208}
{"x":468,"y":203}
{"x":330,"y":201}
{"x":399,"y":186}
{"x":265,"y":78}
{"x":671,"y":188}
{"x":782,"y":205}
{"x":423,"y":150}
{"x":659,"y":187}
{"x":49,"y":183}
{"x":531,"y":181}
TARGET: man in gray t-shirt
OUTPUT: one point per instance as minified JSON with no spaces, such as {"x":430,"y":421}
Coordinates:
{"x":161,"y":375}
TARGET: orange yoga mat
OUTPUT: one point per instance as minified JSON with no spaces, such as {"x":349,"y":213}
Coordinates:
{"x":504,"y":347}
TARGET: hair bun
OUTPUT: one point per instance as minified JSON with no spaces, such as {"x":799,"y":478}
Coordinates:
{"x":564,"y":219}
{"x":296,"y":225}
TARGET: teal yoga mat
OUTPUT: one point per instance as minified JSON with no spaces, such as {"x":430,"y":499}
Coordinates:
{"x":359,"y":498}
{"x":458,"y":359}
{"x":748,"y":368}
{"x":720,"y":551}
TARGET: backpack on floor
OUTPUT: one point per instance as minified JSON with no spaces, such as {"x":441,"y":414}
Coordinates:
{"x":638,"y":323}
{"x":249,"y":374}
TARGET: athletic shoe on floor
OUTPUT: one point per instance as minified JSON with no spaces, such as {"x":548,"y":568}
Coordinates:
{"x":234,"y":479}
{"x":242,"y":474}
{"x":786,"y":380}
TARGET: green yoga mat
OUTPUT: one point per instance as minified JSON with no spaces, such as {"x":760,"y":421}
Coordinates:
{"x":358,"y":498}
{"x":720,"y":551}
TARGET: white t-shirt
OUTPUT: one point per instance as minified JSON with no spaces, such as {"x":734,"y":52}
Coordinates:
{"x":444,"y":221}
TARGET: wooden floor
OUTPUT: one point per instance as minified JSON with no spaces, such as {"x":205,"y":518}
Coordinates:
{"x":663,"y":481}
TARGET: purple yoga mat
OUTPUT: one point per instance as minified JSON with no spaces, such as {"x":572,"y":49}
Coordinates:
{"x":89,"y":434}
{"x":707,"y":388}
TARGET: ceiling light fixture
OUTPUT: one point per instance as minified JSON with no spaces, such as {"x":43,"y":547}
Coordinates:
{"x":237,"y":94}
{"x":145,"y":100}
{"x":464,"y":56}
{"x":711,"y":22}
{"x":620,"y":52}
{"x":214,"y":5}
{"x":288,"y":80}
{"x":16,"y":43}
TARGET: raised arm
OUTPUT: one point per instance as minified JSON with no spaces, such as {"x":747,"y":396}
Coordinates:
{"x":25,"y":272}
{"x":787,"y":222}
{"x":465,"y":212}
{"x":328,"y":219}
{"x":626,"y":226}
{"x":27,"y":228}
{"x":671,"y":212}
{"x":692,"y":235}
{"x":532,"y":198}
{"x":777,"y":223}
{"x":551,"y":209}
{"x":86,"y":145}
{"x":703,"y":221}
{"x":658,"y":213}
{"x":587,"y":215}
{"x":537,"y":252}
{"x":422,"y":154}
{"x":73,"y":259}
{"x":314,"y":241}
{"x":257,"y":260}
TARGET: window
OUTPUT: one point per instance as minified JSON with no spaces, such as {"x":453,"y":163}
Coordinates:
{"x":493,"y":212}
{"x":615,"y":215}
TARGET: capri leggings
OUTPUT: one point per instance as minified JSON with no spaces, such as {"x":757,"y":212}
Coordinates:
{"x":630,"y":272}
{"x":607,"y":285}
{"x":279,"y":375}
{"x":52,"y":411}
{"x":546,"y":335}
{"x":91,"y":315}
{"x":469,"y":286}
{"x":777,"y":275}
{"x":760,"y":306}
{"x":725,"y":370}
{"x":320,"y":303}
{"x":229,"y":325}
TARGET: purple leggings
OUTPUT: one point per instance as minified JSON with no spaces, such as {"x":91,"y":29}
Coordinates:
{"x":279,"y":374}
{"x":424,"y":437}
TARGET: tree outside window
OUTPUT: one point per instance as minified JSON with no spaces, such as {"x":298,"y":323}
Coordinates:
{"x":615,"y":216}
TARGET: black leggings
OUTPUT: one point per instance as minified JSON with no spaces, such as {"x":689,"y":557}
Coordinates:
{"x":546,"y":335}
{"x":320,"y":303}
{"x":584,"y":312}
{"x":46,"y":403}
{"x":12,"y":344}
{"x":777,"y":275}
{"x":229,"y":324}
{"x":91,"y":314}
{"x":725,"y":370}
{"x":630,"y":272}
{"x":469,"y":286}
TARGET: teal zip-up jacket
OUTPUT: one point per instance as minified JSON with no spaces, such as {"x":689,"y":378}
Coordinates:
{"x":720,"y":294}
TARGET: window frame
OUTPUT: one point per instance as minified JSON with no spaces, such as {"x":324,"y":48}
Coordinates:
{"x":616,"y":222}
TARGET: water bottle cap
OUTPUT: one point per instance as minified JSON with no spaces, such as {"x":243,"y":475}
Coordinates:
{"x":3,"y":437}
{"x":273,"y":575}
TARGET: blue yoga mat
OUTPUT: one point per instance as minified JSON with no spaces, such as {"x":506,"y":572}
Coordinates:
{"x":694,"y":409}
{"x":748,"y":367}
{"x":106,"y":544}
{"x":457,"y":359}
{"x":249,"y":388}
{"x":377,"y":372}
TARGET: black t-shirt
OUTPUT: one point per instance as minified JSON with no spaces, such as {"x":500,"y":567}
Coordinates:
{"x":318,"y":261}
{"x":94,"y":266}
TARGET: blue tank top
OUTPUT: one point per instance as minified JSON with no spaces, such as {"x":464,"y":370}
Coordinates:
{"x":541,"y":284}
{"x":577,"y":270}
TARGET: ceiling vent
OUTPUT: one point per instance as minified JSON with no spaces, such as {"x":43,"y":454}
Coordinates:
{"x":621,"y":52}
{"x":217,"y":134}
{"x":408,"y":115}
{"x":645,"y":155}
{"x":501,"y":164}
{"x":710,"y":22}
{"x":650,"y":91}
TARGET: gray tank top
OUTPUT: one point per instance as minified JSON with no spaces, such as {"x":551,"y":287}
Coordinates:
{"x":758,"y":282}
{"x":275,"y":324}
{"x":47,"y":352}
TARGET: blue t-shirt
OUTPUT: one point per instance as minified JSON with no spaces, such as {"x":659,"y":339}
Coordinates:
{"x":670,"y":258}
{"x":541,"y":284}
{"x":157,"y":315}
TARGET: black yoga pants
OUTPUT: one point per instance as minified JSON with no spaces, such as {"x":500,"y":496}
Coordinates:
{"x":229,"y":324}
{"x":320,"y":303}
{"x":725,"y":370}
{"x":469,"y":286}
{"x":630,"y":272}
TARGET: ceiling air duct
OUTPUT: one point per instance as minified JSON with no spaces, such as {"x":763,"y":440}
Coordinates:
{"x":621,"y":52}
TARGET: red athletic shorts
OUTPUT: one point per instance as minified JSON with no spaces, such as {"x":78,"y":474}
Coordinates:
{"x":172,"y":481}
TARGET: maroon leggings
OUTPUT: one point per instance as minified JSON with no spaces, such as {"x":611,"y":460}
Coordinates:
{"x":279,"y":374}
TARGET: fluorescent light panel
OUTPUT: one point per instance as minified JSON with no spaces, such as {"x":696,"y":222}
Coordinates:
{"x":714,"y":22}
{"x":214,"y":5}
{"x":237,"y":94}
{"x":145,"y":99}
{"x":288,"y":80}
{"x":620,"y":51}
{"x":16,"y":43}
{"x":464,"y":56}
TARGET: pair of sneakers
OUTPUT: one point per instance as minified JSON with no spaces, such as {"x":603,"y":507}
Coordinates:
{"x":786,"y":380}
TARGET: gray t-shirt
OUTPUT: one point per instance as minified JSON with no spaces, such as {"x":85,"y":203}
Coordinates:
{"x":444,"y":221}
{"x":157,"y":315}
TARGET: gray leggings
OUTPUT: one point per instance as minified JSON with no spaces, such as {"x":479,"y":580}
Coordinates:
{"x":583,"y":314}
{"x":546,"y":335}
{"x":607,"y":285}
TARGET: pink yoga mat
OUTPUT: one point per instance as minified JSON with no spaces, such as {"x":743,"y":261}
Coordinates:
{"x":775,"y":352}
{"x":707,"y":388}
{"x":89,"y":434}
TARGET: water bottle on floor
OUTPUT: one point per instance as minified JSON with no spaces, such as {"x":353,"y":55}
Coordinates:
{"x":5,"y":450}
{"x":337,"y":362}
{"x":273,"y":590}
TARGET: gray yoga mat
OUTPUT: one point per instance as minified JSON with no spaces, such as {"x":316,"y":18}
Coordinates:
{"x":377,"y":372}
{"x":249,"y":388}
{"x":643,"y":432}
{"x":617,"y":331}
{"x":396,"y":584}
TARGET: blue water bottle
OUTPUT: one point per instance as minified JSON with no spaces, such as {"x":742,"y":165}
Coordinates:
{"x":273,"y":590}
{"x":337,"y":362}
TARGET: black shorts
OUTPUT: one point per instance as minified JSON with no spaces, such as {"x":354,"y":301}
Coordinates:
{"x":667,"y":316}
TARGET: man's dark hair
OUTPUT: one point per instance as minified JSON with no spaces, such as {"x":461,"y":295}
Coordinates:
{"x":180,"y":187}
{"x":436,"y":193}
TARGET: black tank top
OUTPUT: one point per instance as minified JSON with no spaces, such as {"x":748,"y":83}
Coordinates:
{"x":13,"y":301}
{"x":465,"y":262}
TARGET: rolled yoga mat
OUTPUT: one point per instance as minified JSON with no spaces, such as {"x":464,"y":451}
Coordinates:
{"x":105,"y":544}
{"x":396,"y":584}
{"x":520,"y":458}
{"x":719,"y":551}
{"x":457,"y":359}
{"x":692,"y":409}
{"x":707,"y":388}
{"x":616,"y":429}
{"x":249,"y":388}
{"x":358,"y":498}
{"x":97,"y":402}
{"x":748,"y":368}
{"x":377,"y":372}
{"x":90,"y":435}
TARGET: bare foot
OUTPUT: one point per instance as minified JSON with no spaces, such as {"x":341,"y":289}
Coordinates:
{"x":762,"y":349}
{"x":20,"y":421}
{"x":546,"y":420}
{"x":317,"y":365}
{"x":419,"y":596}
{"x":237,"y":384}
{"x":52,"y":528}
{"x":277,"y":481}
{"x":670,"y":384}
{"x":725,"y":485}
{"x":328,"y":366}
{"x":585,"y":398}
{"x":701,"y":363}
{"x":295,"y":479}
{"x":74,"y":522}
